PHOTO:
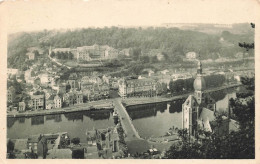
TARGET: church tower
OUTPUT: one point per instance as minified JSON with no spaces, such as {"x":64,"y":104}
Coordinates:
{"x":199,"y":85}
{"x":192,"y":106}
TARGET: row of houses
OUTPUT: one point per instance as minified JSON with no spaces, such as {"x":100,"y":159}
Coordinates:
{"x":55,"y":101}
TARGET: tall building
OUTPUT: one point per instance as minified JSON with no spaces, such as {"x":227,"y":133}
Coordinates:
{"x":57,"y":102}
{"x":199,"y":109}
{"x":10,"y":94}
{"x":137,"y":88}
{"x":37,"y":102}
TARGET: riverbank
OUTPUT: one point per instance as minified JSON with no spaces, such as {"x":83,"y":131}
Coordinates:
{"x":92,"y":106}
{"x":153,"y":100}
{"x":108,"y":104}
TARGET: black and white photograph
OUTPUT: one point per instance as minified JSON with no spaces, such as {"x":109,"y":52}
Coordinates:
{"x":129,"y":79}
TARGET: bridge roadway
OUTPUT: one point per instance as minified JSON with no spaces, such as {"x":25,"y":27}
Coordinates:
{"x":131,"y":133}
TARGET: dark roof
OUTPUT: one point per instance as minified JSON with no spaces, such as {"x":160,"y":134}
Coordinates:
{"x":33,"y":138}
{"x":191,"y":101}
{"x":207,"y":114}
{"x":51,"y":97}
{"x":37,"y":96}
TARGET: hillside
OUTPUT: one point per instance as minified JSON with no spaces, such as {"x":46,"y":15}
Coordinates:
{"x":171,"y":41}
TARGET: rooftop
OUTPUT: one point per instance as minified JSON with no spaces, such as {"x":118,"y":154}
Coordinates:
{"x":37,"y":96}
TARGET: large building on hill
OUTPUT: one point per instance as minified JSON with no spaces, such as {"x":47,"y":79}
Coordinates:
{"x":89,"y":53}
{"x":199,"y":109}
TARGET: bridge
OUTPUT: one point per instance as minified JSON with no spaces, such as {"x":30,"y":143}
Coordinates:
{"x":131,"y":133}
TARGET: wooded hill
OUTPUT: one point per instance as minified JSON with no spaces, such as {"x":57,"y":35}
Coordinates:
{"x":171,"y":41}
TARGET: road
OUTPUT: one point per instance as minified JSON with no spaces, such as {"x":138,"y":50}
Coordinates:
{"x":60,"y":64}
{"x":126,"y":121}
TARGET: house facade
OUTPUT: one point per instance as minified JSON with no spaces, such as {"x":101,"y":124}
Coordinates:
{"x":57,"y":101}
{"x":37,"y":102}
{"x":31,"y":55}
{"x":89,"y":53}
{"x":73,"y":98}
{"x":137,"y":88}
{"x":10,"y":94}
{"x":21,"y":106}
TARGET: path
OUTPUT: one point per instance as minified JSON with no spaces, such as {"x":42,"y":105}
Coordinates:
{"x":60,"y":64}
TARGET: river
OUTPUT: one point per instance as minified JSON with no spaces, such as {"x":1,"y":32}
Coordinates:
{"x":149,"y":120}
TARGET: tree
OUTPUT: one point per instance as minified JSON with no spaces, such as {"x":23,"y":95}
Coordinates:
{"x":36,"y":53}
{"x":10,"y":149}
{"x":10,"y":146}
{"x":58,"y":55}
{"x":68,"y":87}
{"x":75,"y":141}
{"x":245,"y":45}
{"x":172,"y":87}
{"x":233,"y":145}
{"x":154,"y":59}
{"x":136,"y":52}
{"x":145,"y":59}
{"x":70,"y":56}
{"x":52,"y":55}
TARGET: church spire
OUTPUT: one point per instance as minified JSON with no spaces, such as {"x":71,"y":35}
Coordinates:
{"x":199,"y":68}
{"x":199,"y":84}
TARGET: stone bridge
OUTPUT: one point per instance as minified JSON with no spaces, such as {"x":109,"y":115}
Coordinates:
{"x":126,"y":121}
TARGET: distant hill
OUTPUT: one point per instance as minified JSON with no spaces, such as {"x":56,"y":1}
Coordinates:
{"x":172,"y":41}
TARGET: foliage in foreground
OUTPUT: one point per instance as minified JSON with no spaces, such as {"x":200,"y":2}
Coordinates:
{"x":236,"y":145}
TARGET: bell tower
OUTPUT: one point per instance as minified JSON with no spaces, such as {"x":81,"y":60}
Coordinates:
{"x":199,"y":85}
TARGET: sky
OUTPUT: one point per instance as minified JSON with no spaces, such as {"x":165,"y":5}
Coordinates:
{"x":34,"y":15}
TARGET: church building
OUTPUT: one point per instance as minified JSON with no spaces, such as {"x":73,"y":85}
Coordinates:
{"x":199,"y":109}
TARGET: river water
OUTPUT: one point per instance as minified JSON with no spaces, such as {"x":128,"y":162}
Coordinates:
{"x":149,"y":120}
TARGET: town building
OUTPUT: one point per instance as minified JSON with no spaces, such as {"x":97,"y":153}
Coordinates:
{"x":30,"y":55}
{"x":164,"y":72}
{"x":44,"y":79}
{"x":49,"y":145}
{"x":10,"y":94}
{"x":57,"y":101}
{"x":21,"y":106}
{"x":73,"y":98}
{"x":160,"y":57}
{"x":38,"y":144}
{"x":104,"y":139}
{"x":28,"y":76}
{"x":73,"y":81}
{"x":89,"y":53}
{"x":11,"y":71}
{"x":137,"y":88}
{"x":37,"y":102}
{"x":191,"y":56}
{"x":49,"y":102}
{"x":182,"y":76}
{"x":125,"y":52}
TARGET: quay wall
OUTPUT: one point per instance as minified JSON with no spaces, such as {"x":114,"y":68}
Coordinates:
{"x":154,"y":100}
{"x":56,"y":111}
